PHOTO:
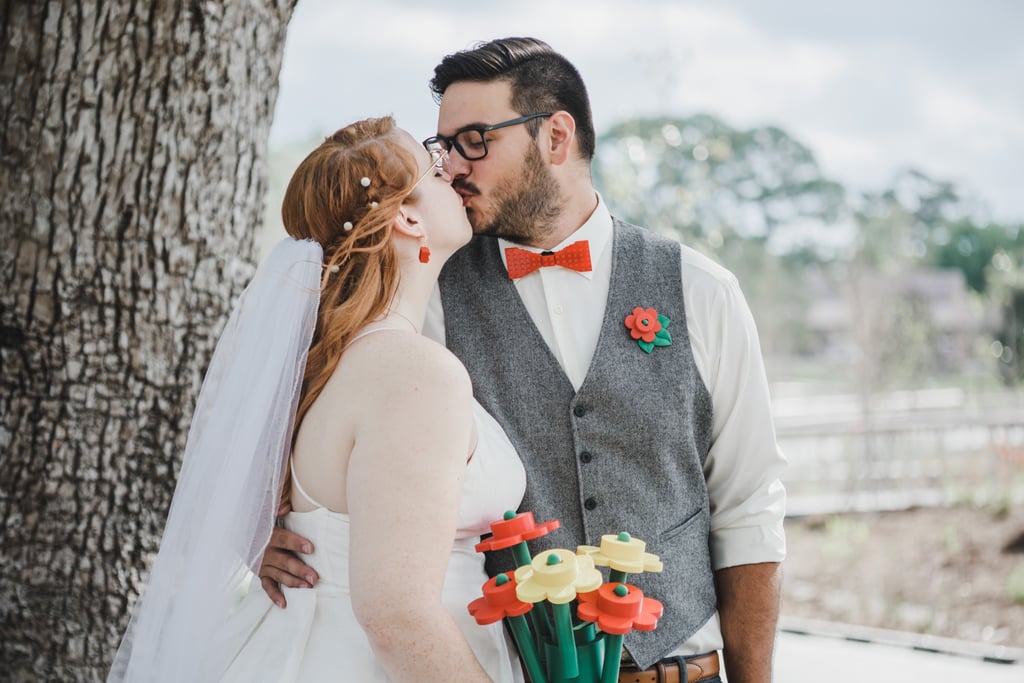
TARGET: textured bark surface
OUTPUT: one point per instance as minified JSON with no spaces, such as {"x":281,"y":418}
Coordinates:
{"x":131,"y":190}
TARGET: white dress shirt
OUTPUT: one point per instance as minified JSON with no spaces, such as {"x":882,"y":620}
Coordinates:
{"x":744,"y":466}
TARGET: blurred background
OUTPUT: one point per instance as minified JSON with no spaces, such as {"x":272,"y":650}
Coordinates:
{"x":859,"y":167}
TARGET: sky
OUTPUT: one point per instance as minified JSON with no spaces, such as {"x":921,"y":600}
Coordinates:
{"x":872,"y":86}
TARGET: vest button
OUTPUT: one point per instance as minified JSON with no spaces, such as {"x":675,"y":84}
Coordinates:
{"x":579,"y":411}
{"x":586,"y":456}
{"x":590,"y":503}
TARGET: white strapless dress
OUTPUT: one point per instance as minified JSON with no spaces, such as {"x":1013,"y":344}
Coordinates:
{"x":317,"y":638}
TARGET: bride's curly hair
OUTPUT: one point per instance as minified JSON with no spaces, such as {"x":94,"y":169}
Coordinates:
{"x":345,"y":195}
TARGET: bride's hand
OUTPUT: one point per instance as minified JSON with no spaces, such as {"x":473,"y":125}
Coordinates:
{"x":281,"y":564}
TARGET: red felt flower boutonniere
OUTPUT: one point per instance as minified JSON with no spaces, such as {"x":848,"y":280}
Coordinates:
{"x":649,"y":328}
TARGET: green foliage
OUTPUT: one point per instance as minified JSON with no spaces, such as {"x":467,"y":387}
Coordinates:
{"x":974,"y":249}
{"x":1009,"y":339}
{"x":844,"y":537}
{"x":1015,"y":584}
{"x":703,"y":181}
{"x":952,"y":540}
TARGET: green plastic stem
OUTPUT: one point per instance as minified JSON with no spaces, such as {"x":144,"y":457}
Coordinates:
{"x":566,"y":641}
{"x":527,"y":650}
{"x":521,"y":553}
{"x":612,"y":658}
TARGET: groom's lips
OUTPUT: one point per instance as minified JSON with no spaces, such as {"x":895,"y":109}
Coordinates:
{"x":465,"y":194}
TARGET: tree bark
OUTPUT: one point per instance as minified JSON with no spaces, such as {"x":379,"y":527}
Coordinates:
{"x":134,"y":144}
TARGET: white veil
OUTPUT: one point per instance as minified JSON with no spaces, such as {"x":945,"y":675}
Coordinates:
{"x":226,"y":498}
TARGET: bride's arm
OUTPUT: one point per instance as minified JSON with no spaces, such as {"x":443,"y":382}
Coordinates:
{"x":404,"y":485}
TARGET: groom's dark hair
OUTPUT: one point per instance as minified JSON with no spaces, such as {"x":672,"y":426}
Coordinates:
{"x":542,"y":80}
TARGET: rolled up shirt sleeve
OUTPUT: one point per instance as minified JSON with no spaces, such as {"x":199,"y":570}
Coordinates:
{"x":744,"y":467}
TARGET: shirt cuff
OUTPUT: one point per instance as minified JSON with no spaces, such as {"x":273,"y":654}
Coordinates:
{"x":747,"y":545}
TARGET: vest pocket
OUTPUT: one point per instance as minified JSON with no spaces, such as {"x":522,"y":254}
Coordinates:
{"x":678,"y":529}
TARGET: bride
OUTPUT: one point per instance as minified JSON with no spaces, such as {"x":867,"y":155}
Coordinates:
{"x":322,"y":385}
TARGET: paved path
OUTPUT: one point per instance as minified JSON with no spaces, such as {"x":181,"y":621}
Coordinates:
{"x":826,"y":659}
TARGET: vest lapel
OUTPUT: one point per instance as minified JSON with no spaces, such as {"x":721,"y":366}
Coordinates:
{"x":506,"y":295}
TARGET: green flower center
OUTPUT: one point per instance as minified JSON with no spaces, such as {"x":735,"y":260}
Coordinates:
{"x":554,"y":559}
{"x":621,"y":590}
{"x":624,"y":537}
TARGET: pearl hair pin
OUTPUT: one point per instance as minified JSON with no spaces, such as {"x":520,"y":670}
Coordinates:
{"x":364,"y":181}
{"x":347,"y":225}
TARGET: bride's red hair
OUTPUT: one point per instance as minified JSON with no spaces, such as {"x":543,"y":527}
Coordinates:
{"x":326,"y":194}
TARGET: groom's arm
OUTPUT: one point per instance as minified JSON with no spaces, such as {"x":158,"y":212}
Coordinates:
{"x":281,"y":564}
{"x":748,"y":606}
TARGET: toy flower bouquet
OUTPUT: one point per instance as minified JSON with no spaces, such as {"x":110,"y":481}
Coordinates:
{"x":536,"y":599}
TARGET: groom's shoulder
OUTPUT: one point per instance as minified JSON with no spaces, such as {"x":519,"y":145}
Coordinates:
{"x":636,"y":236}
{"x":697,"y":268}
{"x":471,"y":262}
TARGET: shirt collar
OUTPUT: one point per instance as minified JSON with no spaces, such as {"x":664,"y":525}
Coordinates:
{"x":597,"y":230}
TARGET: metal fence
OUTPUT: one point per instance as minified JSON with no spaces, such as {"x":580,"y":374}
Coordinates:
{"x":898,"y":458}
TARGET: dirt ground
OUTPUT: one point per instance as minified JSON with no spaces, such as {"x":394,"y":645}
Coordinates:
{"x":954,"y":572}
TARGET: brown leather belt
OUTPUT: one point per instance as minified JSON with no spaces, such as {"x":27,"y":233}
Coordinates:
{"x":699,"y":668}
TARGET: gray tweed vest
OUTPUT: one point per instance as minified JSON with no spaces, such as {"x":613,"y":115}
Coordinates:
{"x":625,"y":452}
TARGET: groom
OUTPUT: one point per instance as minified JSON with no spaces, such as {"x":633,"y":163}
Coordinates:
{"x":673,"y":442}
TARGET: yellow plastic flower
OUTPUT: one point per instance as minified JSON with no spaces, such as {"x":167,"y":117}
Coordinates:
{"x":622,"y":553}
{"x":556,"y":576}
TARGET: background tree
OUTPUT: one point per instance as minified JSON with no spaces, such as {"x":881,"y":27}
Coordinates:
{"x":699,"y":179}
{"x":131,"y":187}
{"x":976,"y":249}
{"x":1007,"y":277}
{"x":921,"y":223}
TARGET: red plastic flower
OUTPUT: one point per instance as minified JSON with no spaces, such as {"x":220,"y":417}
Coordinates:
{"x":649,"y":328}
{"x":499,"y":601}
{"x":515,"y":529}
{"x":618,"y":608}
{"x":643,"y":324}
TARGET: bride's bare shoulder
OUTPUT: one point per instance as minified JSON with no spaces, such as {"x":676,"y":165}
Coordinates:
{"x":405,"y":361}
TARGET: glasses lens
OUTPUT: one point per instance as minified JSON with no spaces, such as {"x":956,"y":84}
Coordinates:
{"x":430,"y":144}
{"x":440,"y":163}
{"x":444,"y":165}
{"x":471,"y":145}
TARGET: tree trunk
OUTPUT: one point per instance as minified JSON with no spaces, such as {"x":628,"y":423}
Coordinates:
{"x":132,"y":179}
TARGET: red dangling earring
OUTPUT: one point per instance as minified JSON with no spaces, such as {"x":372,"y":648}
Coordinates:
{"x":424,"y":252}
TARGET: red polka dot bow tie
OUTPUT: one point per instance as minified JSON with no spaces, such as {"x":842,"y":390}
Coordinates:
{"x":521,"y":262}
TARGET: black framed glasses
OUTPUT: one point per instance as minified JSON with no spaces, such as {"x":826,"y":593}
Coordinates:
{"x":471,"y":142}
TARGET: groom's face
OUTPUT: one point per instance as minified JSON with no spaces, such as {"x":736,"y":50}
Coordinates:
{"x":506,"y":191}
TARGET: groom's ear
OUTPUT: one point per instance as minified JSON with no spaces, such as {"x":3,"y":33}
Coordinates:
{"x":560,"y":137}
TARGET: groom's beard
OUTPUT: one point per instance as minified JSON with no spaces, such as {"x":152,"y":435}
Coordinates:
{"x":526,"y":205}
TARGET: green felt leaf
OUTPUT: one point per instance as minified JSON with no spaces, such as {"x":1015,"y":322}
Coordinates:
{"x":646,"y":346}
{"x":663,"y":319}
{"x":663,"y":338}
